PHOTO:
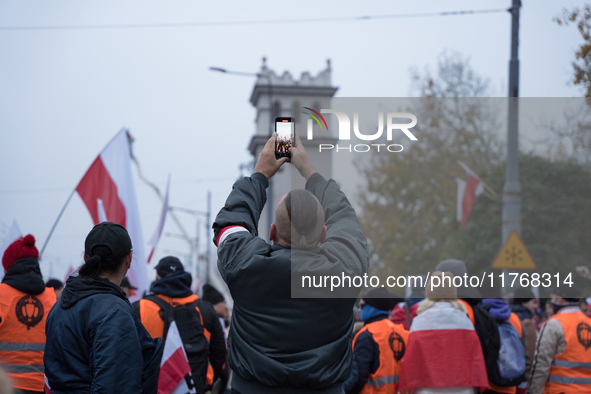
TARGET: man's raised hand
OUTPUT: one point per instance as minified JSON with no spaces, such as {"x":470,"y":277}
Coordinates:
{"x":301,"y":160}
{"x":267,"y":164}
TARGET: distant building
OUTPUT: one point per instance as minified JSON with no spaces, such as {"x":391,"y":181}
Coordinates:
{"x":283,"y":95}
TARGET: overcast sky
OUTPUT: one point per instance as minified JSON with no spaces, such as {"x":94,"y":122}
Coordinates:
{"x":64,"y":93}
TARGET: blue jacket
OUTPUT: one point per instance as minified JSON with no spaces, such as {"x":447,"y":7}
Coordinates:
{"x":97,"y":344}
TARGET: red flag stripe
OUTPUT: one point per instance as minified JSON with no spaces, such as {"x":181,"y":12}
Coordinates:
{"x":223,"y":234}
{"x":97,"y":183}
{"x":443,"y":358}
{"x":172,"y":371}
{"x":469,"y":198}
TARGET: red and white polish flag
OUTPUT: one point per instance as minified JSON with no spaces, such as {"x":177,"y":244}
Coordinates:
{"x":107,"y":191}
{"x":467,"y":193}
{"x":174,"y":366}
{"x":443,"y":350}
{"x":46,"y":388}
{"x":158,"y":232}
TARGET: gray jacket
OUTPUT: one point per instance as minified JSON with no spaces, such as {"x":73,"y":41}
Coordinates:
{"x":280,"y":344}
{"x":550,"y":343}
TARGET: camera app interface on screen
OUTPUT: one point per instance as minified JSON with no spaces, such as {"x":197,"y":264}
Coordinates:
{"x":284,"y":139}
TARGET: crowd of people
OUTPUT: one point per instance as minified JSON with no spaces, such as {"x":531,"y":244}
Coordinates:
{"x":543,"y":351}
{"x":86,"y":336}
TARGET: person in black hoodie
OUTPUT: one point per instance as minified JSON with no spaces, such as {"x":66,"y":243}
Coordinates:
{"x":24,"y":303}
{"x":95,"y":341}
{"x":171,"y":298}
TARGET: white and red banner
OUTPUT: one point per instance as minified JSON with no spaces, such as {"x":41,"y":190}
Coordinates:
{"x":158,"y":232}
{"x":443,"y":350}
{"x":13,"y":234}
{"x":467,"y":193}
{"x":107,"y":191}
{"x":174,"y":366}
{"x":46,"y":388}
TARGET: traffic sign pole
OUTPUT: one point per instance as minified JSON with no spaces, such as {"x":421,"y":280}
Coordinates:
{"x":512,"y":188}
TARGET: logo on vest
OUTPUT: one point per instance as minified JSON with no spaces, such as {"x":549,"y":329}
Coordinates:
{"x":397,"y":345}
{"x":584,"y":335}
{"x":29,"y":311}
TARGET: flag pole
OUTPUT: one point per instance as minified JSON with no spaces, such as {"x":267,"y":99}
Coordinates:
{"x":55,"y":224}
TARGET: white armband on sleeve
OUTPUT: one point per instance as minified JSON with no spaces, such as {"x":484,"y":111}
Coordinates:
{"x":226,"y":231}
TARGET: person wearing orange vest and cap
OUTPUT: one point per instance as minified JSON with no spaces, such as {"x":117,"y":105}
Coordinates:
{"x":377,"y":348}
{"x":196,"y":319}
{"x":24,"y":305}
{"x":562,"y":363}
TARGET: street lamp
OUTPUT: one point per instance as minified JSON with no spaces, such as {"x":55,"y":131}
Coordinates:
{"x":258,"y":75}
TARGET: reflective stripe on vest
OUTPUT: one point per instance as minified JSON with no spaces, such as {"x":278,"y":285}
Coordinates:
{"x":571,"y":370}
{"x":21,"y":347}
{"x":571,"y":364}
{"x":567,"y":380}
{"x":12,"y":368}
{"x":383,"y":380}
{"x":22,"y":337}
{"x":391,"y":340}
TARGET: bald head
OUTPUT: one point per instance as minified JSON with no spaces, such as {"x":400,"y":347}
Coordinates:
{"x":299,"y":220}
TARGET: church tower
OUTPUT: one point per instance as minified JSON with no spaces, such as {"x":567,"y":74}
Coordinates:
{"x":283,"y":95}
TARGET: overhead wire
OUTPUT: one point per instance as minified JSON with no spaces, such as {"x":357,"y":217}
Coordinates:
{"x":254,"y":22}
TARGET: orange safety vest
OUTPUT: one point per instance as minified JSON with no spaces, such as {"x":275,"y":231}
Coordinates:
{"x":391,"y":339}
{"x":571,"y":370}
{"x":514,"y":320}
{"x":22,"y":335}
{"x":153,"y":321}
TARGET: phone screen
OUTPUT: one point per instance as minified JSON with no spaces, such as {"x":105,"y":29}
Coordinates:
{"x":285,"y":136}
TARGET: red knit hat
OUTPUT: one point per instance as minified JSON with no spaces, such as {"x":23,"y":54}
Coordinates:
{"x":19,"y":249}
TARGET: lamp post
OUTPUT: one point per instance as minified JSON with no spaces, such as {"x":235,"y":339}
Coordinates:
{"x":511,"y":214}
{"x":271,"y":110}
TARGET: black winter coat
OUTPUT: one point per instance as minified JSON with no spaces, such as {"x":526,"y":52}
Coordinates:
{"x":97,"y":344}
{"x":280,"y":344}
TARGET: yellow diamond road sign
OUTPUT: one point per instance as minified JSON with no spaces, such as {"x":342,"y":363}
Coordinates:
{"x":514,"y":255}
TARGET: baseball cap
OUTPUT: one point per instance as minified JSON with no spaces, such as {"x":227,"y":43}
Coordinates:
{"x":112,"y":235}
{"x":168,"y":265}
{"x":381,"y":299}
{"x":126,"y":283}
{"x":54,"y":283}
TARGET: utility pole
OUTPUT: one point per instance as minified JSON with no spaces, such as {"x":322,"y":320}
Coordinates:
{"x":512,"y":188}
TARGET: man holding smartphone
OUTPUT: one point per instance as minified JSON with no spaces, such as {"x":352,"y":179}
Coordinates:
{"x":279,"y":344}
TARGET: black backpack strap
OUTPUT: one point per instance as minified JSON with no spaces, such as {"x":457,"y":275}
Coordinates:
{"x":407,"y":312}
{"x":168,"y":312}
{"x":136,"y":308}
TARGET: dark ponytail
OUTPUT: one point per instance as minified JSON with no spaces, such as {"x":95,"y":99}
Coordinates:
{"x":101,"y":260}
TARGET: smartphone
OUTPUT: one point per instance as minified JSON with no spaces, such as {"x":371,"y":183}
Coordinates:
{"x":285,"y":129}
